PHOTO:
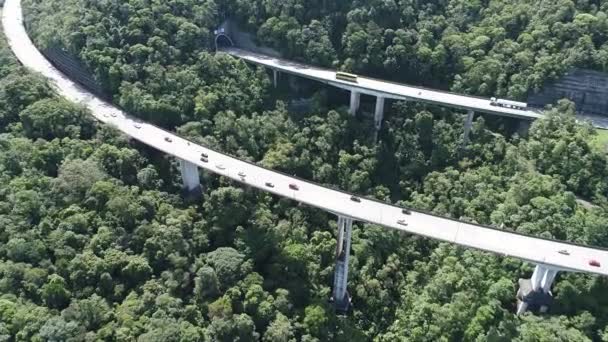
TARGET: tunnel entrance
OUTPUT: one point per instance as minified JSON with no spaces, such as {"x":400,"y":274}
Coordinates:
{"x":223,"y":41}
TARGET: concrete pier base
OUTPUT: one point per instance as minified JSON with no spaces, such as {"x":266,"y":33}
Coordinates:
{"x":534,"y":294}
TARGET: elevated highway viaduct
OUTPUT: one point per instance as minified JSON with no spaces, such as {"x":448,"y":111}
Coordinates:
{"x":548,"y":256}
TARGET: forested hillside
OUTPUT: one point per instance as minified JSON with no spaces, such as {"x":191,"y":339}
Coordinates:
{"x":481,"y":47}
{"x":96,"y":242}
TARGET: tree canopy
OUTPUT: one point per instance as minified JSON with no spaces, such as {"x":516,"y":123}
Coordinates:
{"x":96,"y":242}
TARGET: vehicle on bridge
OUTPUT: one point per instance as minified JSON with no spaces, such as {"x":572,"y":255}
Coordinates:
{"x":344,"y":76}
{"x":508,"y":103}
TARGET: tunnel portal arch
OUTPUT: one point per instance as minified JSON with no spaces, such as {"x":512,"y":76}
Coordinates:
{"x":222,"y":40}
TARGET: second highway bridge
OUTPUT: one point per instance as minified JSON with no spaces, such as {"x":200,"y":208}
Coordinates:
{"x":384,"y":89}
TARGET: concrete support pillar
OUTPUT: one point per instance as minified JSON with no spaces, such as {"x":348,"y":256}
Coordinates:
{"x":535,"y":292}
{"x":190,"y":176}
{"x":379,"y":112}
{"x":275,"y":77}
{"x":523,"y":128}
{"x":355,"y":100}
{"x":378,"y":115}
{"x":340,"y":295}
{"x":467,"y":127}
{"x":294,"y":85}
{"x":542,"y":278}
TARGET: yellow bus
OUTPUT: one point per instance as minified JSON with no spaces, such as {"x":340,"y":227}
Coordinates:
{"x":344,"y":76}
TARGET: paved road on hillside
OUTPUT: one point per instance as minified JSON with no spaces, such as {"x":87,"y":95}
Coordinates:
{"x":375,"y":87}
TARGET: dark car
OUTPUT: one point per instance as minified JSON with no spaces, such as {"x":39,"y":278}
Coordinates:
{"x":594,"y":263}
{"x":167,"y":139}
{"x":293,"y":186}
{"x":406,"y":212}
{"x":355,"y":199}
{"x":204,"y":155}
{"x":270,"y":185}
{"x":204,"y":160}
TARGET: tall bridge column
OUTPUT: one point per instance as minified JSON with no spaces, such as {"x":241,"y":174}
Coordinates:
{"x":378,"y":115}
{"x":275,"y":77}
{"x":523,"y":128}
{"x":355,"y":100}
{"x":340,"y":295}
{"x":190,"y":177}
{"x":467,"y":127}
{"x":535,"y":293}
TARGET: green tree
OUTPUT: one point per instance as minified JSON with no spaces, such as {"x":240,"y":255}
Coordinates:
{"x":76,"y":177}
{"x":55,"y":294}
{"x":50,"y":118}
{"x":280,"y":330}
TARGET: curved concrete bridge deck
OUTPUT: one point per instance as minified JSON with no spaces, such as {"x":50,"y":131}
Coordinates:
{"x":380,"y":88}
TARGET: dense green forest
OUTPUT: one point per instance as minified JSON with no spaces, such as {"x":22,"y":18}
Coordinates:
{"x":480,"y":46}
{"x":96,"y":242}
